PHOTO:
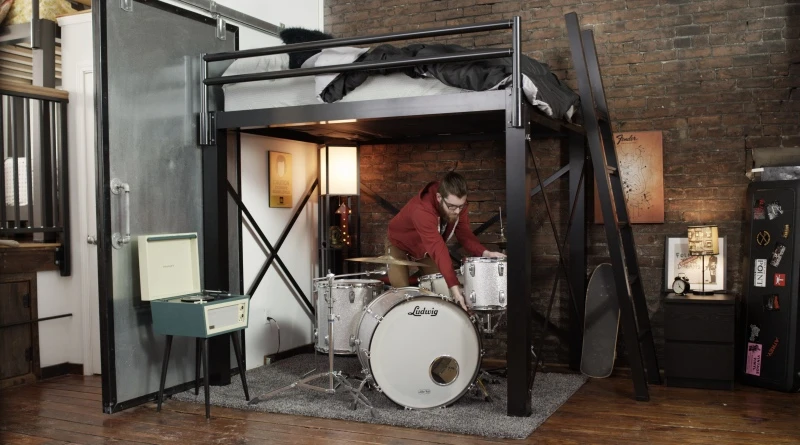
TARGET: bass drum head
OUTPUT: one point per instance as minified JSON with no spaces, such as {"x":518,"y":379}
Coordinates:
{"x":425,"y":353}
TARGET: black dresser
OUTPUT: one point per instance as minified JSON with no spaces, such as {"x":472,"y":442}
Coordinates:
{"x":699,"y":337}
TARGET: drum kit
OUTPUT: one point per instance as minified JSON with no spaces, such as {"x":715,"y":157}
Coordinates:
{"x":415,"y":344}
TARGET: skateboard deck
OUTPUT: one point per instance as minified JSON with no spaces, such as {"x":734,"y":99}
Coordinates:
{"x":601,"y":323}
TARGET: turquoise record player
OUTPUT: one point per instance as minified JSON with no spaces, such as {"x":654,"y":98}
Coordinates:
{"x":169,"y":274}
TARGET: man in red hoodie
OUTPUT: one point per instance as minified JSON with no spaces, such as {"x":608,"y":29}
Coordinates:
{"x":424,"y":225}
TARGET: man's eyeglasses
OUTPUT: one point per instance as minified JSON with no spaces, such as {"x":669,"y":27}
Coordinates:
{"x":453,"y":207}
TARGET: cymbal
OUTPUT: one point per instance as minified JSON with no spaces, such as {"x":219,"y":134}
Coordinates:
{"x":386,"y":259}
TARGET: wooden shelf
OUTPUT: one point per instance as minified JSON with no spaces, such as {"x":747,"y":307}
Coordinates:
{"x":28,"y":258}
{"x":50,"y":93}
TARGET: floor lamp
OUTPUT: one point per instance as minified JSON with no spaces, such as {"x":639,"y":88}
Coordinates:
{"x":703,"y":240}
{"x":338,"y":176}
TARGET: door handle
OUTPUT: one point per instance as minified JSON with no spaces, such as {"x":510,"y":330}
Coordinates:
{"x":118,"y":187}
{"x":91,"y":240}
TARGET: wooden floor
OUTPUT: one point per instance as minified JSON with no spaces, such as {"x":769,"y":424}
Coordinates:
{"x":67,"y":410}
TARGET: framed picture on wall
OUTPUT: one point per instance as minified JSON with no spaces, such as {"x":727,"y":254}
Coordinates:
{"x":640,"y":155}
{"x":678,"y":261}
{"x":280,"y":179}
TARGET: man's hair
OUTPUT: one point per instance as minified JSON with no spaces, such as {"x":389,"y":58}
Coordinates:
{"x":453,"y":184}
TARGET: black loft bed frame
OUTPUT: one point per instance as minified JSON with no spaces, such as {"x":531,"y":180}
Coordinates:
{"x":466,"y":116}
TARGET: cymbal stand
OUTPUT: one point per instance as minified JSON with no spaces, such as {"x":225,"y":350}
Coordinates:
{"x":487,"y":329}
{"x":486,"y":324}
{"x":332,"y":375}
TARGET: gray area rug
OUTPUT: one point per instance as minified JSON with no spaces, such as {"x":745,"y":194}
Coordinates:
{"x":471,"y":414}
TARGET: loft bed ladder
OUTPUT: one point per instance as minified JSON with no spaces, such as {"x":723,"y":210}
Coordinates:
{"x":636,"y":329}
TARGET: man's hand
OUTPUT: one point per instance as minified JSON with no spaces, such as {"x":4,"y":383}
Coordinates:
{"x":489,"y":254}
{"x":455,"y":292}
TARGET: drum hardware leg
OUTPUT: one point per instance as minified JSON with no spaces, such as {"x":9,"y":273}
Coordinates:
{"x":333,"y":376}
{"x":486,"y":395}
{"x":486,"y":377}
{"x":358,"y":397}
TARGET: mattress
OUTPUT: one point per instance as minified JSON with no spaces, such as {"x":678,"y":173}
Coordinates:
{"x":301,"y":91}
{"x":304,"y":90}
{"x":307,"y":90}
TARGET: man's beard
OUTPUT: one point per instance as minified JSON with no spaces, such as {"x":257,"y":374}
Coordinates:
{"x":447,"y":216}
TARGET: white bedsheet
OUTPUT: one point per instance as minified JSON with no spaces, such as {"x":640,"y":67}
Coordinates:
{"x":302,"y":90}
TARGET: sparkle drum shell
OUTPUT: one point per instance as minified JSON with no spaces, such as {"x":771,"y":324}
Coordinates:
{"x":350,"y":297}
{"x":435,"y":283}
{"x":420,"y":349}
{"x":485,"y":283}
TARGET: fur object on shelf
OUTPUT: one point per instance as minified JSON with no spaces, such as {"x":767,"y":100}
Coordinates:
{"x":21,"y":10}
{"x":5,"y":6}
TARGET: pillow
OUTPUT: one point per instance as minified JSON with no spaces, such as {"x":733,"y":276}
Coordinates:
{"x":301,"y":35}
{"x":249,"y":65}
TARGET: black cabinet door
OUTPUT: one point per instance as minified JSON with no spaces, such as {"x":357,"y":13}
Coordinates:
{"x":771,"y":307}
{"x":19,"y":355}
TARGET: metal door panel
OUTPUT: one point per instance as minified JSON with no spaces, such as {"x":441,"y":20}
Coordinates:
{"x":150,"y":74}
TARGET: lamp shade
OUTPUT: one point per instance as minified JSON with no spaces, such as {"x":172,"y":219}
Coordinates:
{"x":343,"y":170}
{"x":703,"y":240}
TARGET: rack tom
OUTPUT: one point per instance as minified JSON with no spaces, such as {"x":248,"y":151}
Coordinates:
{"x":485,"y":283}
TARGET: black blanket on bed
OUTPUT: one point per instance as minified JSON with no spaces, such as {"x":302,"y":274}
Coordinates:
{"x":476,"y":75}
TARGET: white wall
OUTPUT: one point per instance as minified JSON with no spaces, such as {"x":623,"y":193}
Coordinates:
{"x":64,"y":340}
{"x":60,"y":341}
{"x":275,"y":297}
{"x":302,"y":13}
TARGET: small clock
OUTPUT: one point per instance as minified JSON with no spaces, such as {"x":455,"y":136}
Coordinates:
{"x":681,"y":285}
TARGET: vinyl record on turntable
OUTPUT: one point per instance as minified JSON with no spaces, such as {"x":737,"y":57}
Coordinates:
{"x":197,"y":299}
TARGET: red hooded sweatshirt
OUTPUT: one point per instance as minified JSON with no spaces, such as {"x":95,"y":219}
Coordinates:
{"x":416,"y":230}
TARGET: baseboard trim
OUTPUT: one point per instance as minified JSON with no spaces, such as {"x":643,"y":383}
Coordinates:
{"x":49,"y":372}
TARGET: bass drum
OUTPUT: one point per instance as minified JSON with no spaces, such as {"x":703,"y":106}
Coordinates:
{"x":419,"y":348}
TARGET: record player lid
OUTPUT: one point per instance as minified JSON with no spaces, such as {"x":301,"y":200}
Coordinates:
{"x":169,"y":265}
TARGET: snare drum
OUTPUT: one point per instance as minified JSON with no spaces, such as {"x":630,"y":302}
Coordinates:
{"x":419,"y":348}
{"x":350,"y":297}
{"x":435,"y":283}
{"x":485,"y":283}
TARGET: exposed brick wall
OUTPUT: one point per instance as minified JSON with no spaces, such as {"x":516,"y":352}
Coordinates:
{"x":717,"y":78}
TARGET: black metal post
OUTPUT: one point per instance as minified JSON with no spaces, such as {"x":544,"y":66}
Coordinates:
{"x":518,"y":186}
{"x":46,"y":167}
{"x":577,"y":246}
{"x":103,"y":198}
{"x":240,"y":360}
{"x":206,"y":353}
{"x":29,"y":164}
{"x":215,"y":247}
{"x":65,"y":259}
{"x":198,"y":357}
{"x":164,"y":367}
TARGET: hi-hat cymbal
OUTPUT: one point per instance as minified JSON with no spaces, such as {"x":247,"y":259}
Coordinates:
{"x":386,"y":259}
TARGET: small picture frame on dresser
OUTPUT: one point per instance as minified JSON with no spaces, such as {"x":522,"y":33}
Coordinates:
{"x":678,"y":261}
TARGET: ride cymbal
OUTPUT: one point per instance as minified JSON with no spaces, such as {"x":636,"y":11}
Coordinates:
{"x":386,"y":259}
